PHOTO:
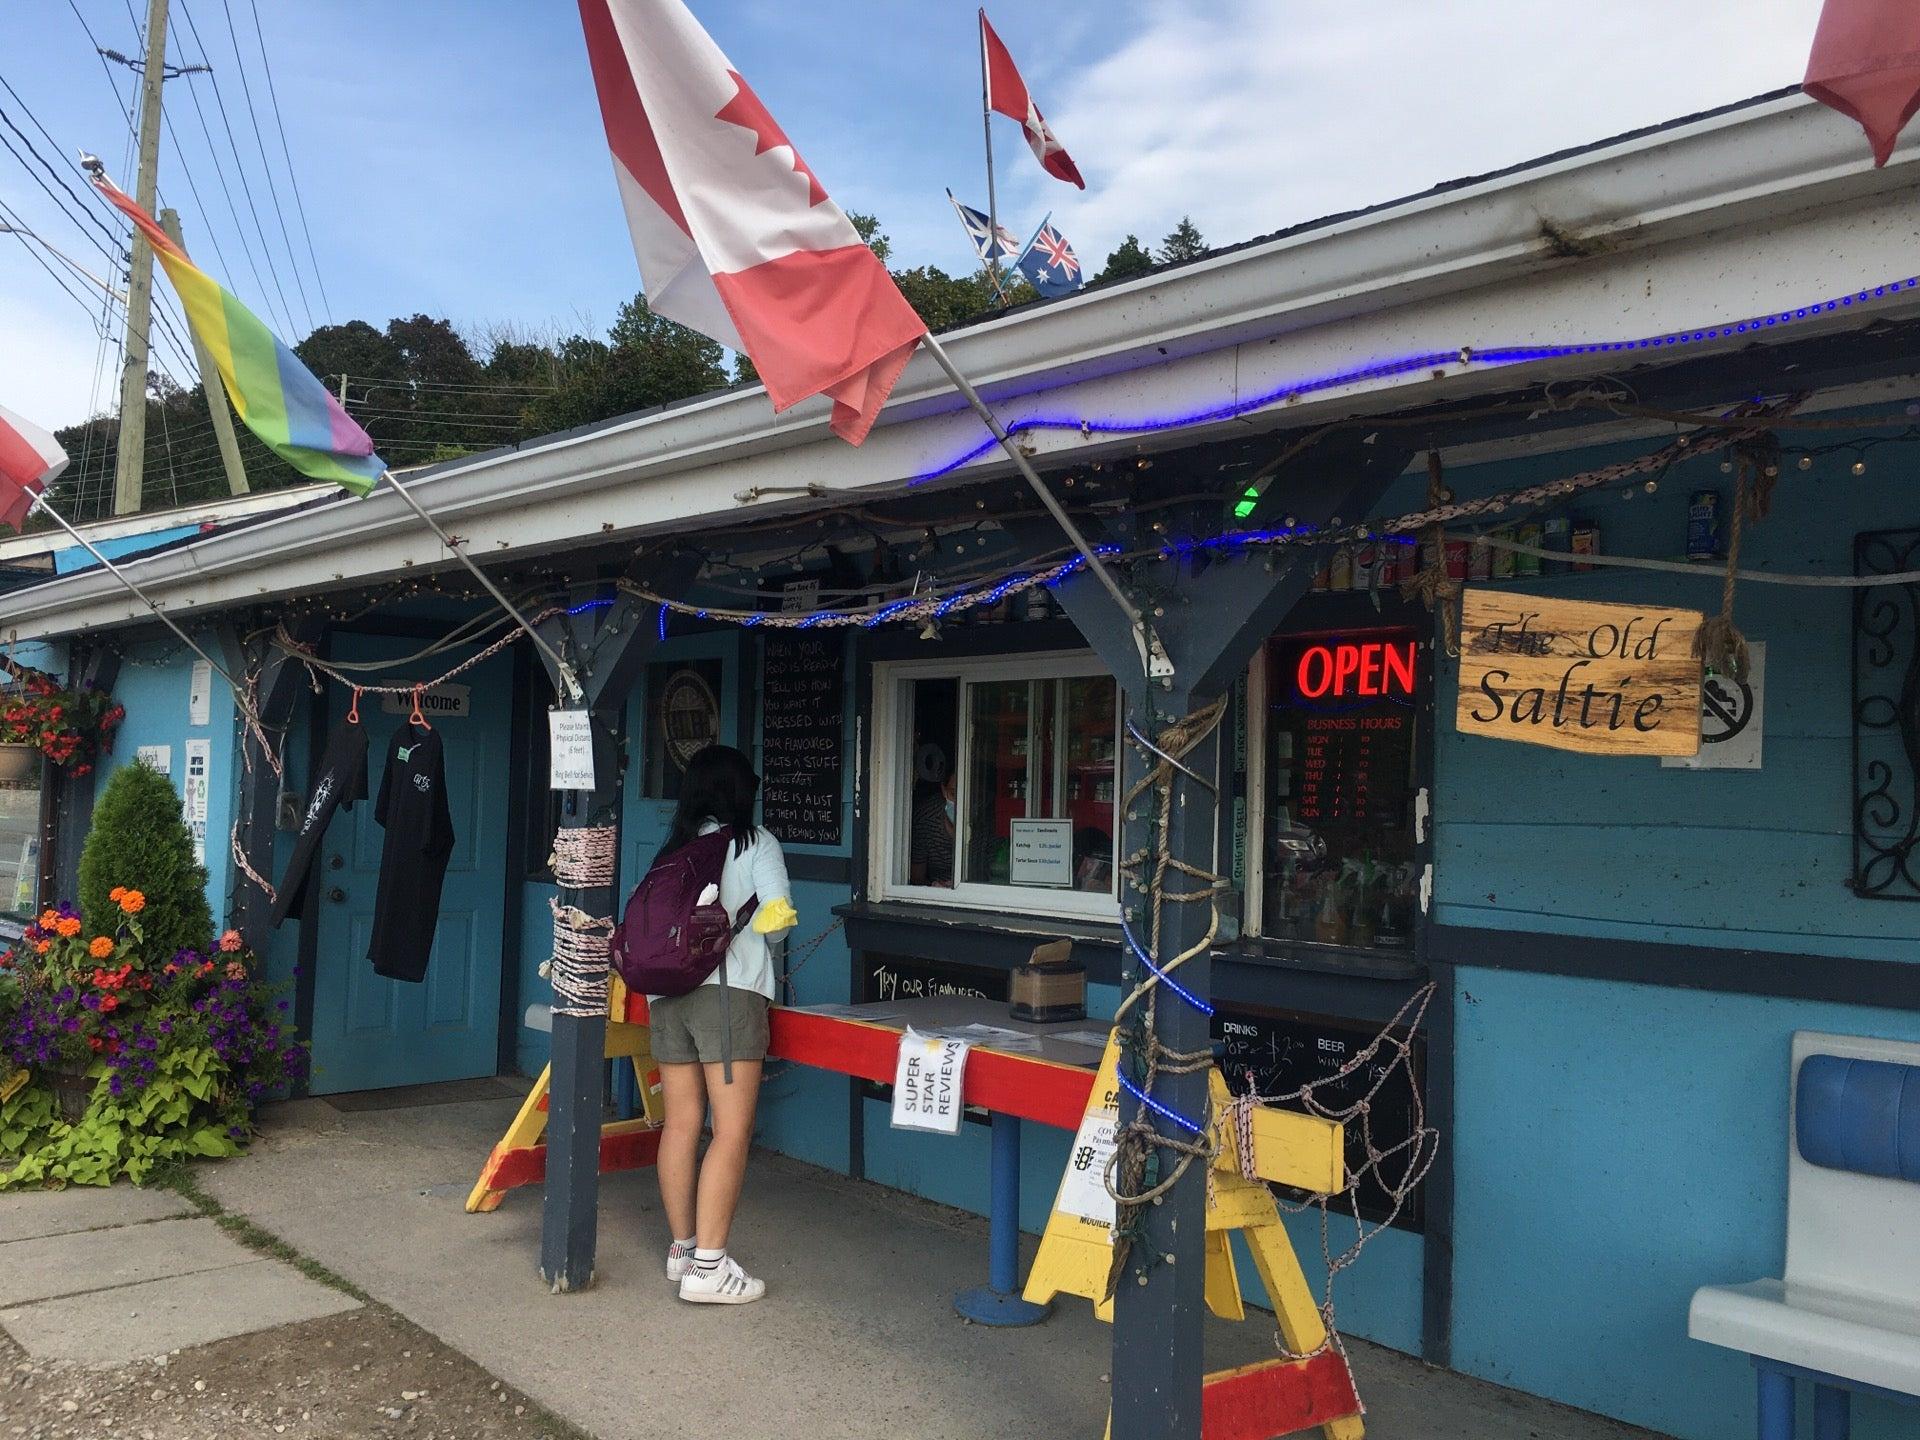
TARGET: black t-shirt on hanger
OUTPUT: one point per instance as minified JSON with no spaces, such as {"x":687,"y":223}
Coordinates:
{"x":340,"y":780}
{"x":412,"y":808}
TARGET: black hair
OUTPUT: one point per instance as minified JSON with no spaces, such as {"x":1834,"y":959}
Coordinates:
{"x":719,"y":784}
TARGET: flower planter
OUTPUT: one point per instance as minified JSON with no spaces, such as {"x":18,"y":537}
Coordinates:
{"x":19,"y":764}
{"x":72,"y":1093}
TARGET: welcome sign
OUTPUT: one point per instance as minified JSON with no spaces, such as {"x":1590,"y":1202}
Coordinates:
{"x":1579,"y":675}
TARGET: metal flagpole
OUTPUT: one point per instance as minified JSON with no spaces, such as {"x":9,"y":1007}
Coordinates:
{"x":993,"y":208}
{"x":1153,"y":657}
{"x":239,"y":694}
{"x":561,"y":667}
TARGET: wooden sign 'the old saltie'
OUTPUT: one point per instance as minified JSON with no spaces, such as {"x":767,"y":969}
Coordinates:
{"x":1579,"y":675}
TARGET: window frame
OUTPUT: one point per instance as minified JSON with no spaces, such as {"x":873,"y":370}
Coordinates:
{"x":889,"y":760}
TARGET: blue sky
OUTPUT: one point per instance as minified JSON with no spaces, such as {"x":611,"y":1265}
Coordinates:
{"x":451,"y":158}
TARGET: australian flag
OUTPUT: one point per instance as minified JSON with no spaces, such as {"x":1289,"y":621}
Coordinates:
{"x":1000,"y":247}
{"x":1049,"y":263}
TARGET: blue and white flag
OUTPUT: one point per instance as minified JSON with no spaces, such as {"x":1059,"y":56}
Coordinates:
{"x":978,"y":226}
{"x":1049,"y":263}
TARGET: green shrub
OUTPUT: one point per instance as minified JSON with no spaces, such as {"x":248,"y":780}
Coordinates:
{"x":140,"y":840}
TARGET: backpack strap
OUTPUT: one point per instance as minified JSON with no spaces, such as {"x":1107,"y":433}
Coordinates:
{"x":740,"y":922}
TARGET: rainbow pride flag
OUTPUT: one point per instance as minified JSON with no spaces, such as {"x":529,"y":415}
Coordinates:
{"x":276,"y":397}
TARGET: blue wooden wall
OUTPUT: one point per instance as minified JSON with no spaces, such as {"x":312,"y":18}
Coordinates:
{"x":1618,"y":1145}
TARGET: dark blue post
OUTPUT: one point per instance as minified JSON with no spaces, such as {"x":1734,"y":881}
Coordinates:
{"x":1831,"y":1420}
{"x":999,"y":1303}
{"x":1776,"y":1403}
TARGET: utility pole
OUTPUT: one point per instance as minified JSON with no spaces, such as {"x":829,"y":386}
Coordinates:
{"x":210,"y":382}
{"x":133,"y":377}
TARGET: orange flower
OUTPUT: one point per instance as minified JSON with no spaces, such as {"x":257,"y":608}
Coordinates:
{"x":133,"y":902}
{"x":42,"y":946}
{"x":68,"y":925}
{"x":236,"y":971}
{"x":109,"y":1003}
{"x":115,"y":893}
{"x":100,"y":947}
{"x":49,"y":918}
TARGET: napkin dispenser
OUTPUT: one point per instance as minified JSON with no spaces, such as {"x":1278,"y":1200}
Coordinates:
{"x":1051,"y":986}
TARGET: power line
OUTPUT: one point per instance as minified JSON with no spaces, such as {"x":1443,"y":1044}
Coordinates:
{"x":293,"y":176}
{"x":226,"y":120}
{"x":266,"y":165}
{"x":220,"y":171}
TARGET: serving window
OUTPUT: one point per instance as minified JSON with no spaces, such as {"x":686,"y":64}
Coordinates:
{"x":1334,"y":733}
{"x":995,"y":783}
{"x":22,"y":775}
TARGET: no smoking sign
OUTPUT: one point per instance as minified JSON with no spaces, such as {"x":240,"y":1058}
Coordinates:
{"x":1732,"y":719}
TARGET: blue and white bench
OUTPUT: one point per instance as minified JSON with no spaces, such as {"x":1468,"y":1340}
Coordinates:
{"x":1846,"y":1315}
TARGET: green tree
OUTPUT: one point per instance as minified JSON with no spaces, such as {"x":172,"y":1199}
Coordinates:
{"x":868,"y":229}
{"x":1183,"y":242}
{"x":1130,"y":258}
{"x":140,"y":841}
{"x":646,"y":360}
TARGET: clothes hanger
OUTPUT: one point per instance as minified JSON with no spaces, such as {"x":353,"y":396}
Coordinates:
{"x":353,"y":710}
{"x":416,"y":718}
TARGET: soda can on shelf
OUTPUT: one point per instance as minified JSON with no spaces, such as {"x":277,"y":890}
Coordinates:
{"x":1504,"y":566}
{"x":1526,"y":566}
{"x":1480,"y":561}
{"x":1556,"y":534}
{"x":1391,"y":552}
{"x":1323,"y":577}
{"x":1585,"y":540}
{"x":1366,"y":566}
{"x":1703,"y":525}
{"x":1457,"y":559}
{"x":1340,"y":576}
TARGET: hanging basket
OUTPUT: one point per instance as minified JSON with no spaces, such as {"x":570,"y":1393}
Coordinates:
{"x":72,"y":1093}
{"x":19,"y":764}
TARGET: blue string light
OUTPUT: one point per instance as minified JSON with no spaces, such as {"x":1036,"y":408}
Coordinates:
{"x":1427,"y":360}
{"x":1165,"y":1112}
{"x":663,"y":621}
{"x":586,"y":605}
{"x":1165,"y":979}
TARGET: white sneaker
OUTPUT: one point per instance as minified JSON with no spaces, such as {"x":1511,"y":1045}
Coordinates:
{"x":725,"y":1284}
{"x":679,"y":1261}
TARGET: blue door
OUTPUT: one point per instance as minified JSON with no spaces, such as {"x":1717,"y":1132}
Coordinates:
{"x":370,"y":1032}
{"x":688,"y":695}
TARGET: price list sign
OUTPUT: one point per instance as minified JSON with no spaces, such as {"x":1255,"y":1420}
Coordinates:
{"x":803,"y":686}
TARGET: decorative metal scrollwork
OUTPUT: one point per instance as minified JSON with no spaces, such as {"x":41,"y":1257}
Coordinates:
{"x":1886,"y":718}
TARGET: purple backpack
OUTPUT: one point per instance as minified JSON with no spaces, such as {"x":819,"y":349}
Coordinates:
{"x":667,"y":942}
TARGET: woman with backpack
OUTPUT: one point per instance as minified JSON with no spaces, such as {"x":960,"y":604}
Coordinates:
{"x":711,"y":1040}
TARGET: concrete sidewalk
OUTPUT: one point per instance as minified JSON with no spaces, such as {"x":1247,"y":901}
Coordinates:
{"x":101,"y":1278}
{"x":857,"y":1338}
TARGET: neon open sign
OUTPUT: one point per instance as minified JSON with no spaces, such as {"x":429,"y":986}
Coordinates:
{"x":1370,"y":668}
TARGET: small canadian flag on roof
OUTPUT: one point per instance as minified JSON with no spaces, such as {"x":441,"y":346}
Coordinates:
{"x":735,"y":234}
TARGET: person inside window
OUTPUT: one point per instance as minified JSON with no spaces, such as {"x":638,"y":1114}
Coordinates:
{"x":690,"y":1035}
{"x":930,"y":853}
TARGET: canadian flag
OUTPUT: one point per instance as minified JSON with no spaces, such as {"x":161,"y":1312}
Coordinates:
{"x":30,"y":460}
{"x":735,"y":235}
{"x":1007,"y":93}
{"x":1866,"y":63}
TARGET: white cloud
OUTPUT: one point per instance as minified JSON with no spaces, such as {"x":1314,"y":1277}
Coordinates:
{"x":1252,"y":115}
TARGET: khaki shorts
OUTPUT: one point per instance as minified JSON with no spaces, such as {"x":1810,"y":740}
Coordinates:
{"x":689,"y":1028}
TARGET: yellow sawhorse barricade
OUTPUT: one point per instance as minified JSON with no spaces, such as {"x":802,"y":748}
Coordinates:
{"x":1255,"y":1402}
{"x":521,"y":1158}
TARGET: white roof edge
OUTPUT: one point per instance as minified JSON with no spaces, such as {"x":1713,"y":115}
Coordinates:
{"x":1772,"y":158}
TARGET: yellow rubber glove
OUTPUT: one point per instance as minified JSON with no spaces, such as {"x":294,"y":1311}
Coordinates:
{"x":775,"y":915}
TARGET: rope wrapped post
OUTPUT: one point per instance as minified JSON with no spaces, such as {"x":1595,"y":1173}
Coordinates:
{"x":1170,"y":909}
{"x":605,"y":639}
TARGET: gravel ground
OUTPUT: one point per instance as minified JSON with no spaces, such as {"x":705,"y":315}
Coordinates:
{"x":360,"y":1376}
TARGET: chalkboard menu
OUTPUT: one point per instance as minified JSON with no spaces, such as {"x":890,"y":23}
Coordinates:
{"x":802,"y":695}
{"x":1280,"y":1051}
